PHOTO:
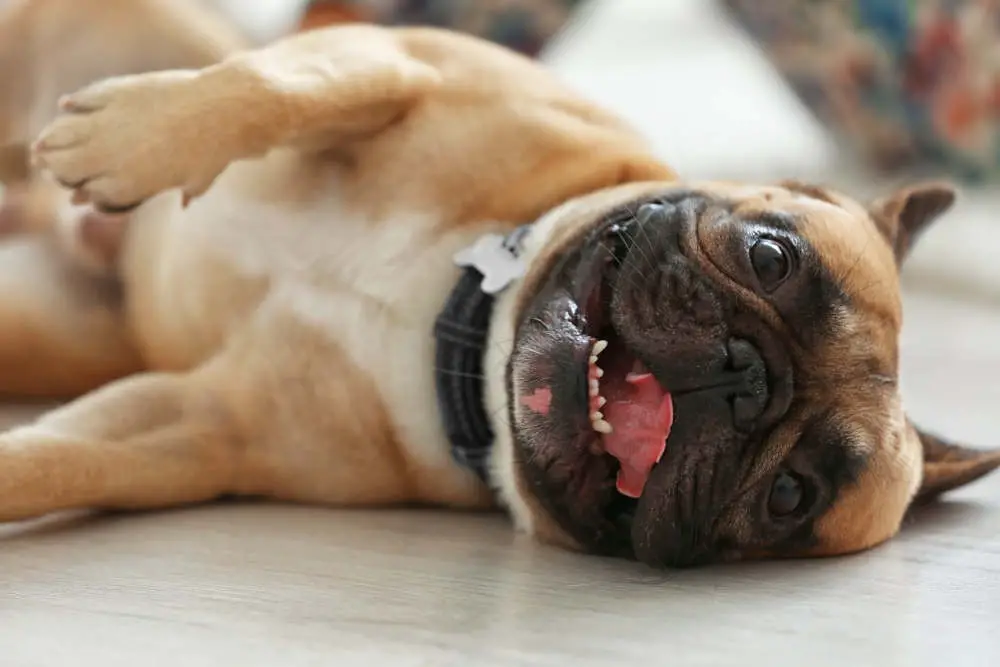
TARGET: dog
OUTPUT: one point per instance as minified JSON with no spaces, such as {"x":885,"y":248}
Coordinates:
{"x":366,"y":267}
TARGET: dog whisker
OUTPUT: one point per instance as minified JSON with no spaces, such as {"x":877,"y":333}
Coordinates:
{"x":460,"y":374}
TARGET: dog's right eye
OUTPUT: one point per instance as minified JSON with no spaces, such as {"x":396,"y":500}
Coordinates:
{"x":772,"y":262}
{"x":787,"y":495}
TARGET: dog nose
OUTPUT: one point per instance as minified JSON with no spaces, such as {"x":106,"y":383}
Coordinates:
{"x":750,"y":391}
{"x":740,"y":379}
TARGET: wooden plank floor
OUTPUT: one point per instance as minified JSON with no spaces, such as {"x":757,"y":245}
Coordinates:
{"x":275,"y":586}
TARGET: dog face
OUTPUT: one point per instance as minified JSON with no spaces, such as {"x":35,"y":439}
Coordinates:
{"x":754,"y":331}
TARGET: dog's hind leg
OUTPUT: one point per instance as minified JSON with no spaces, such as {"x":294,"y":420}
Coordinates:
{"x":157,"y":440}
{"x":143,"y":442}
{"x":61,"y":330}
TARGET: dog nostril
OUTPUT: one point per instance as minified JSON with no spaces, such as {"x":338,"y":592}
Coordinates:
{"x":746,"y":410}
{"x":742,"y":355}
{"x":751,"y":397}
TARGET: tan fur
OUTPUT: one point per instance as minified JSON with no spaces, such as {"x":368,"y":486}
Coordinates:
{"x":63,"y":330}
{"x":293,"y":300}
{"x":296,"y":211}
{"x":50,"y":48}
{"x":870,"y":511}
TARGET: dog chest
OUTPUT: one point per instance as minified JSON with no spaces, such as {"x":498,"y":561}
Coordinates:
{"x":245,"y":258}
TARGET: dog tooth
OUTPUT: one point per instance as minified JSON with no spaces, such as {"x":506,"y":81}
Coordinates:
{"x":601,"y":426}
{"x":596,"y":416}
{"x":600,"y":372}
{"x":599,"y":347}
{"x":601,"y":401}
{"x":594,"y":387}
{"x":592,"y":360}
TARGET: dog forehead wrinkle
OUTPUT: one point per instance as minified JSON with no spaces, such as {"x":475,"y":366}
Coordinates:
{"x":799,"y":189}
{"x":816,"y":204}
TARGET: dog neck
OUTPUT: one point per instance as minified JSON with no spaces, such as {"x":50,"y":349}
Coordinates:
{"x":461,"y":335}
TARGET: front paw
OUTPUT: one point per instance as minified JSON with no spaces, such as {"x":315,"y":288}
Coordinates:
{"x":123,"y":140}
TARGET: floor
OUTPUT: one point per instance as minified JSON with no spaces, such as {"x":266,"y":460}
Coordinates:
{"x":267,"y":585}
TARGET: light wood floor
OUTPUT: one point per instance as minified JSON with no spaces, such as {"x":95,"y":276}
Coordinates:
{"x":247,"y":585}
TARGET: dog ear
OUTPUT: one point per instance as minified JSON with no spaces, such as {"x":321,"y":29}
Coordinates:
{"x":905,"y":214}
{"x":948,"y":466}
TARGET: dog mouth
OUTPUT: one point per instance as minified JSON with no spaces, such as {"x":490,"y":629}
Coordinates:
{"x":629,"y":411}
{"x":600,"y":416}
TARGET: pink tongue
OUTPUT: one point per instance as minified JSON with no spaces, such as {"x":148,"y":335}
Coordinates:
{"x":641,"y":418}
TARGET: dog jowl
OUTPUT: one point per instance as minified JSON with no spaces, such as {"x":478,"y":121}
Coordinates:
{"x":709,"y":373}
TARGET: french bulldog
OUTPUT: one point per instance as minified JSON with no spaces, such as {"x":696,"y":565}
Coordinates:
{"x":365,"y":266}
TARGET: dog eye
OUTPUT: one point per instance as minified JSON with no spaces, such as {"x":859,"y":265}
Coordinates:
{"x":771,"y":262}
{"x":787,"y":494}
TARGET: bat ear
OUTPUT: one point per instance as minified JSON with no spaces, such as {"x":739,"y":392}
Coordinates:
{"x":949,"y":466}
{"x":905,"y":214}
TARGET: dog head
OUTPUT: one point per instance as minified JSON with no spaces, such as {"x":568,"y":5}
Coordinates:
{"x":755,"y":330}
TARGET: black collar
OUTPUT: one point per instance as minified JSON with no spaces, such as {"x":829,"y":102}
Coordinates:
{"x":461,"y":333}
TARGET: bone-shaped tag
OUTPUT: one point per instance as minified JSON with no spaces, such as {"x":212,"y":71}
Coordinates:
{"x":493,"y":257}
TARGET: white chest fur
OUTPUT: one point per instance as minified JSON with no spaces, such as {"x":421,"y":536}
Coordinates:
{"x":265,"y":235}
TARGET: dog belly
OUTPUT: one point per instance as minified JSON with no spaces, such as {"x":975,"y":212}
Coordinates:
{"x":182,"y":296}
{"x":197,"y":275}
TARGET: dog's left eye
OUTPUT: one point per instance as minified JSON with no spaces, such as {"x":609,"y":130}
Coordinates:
{"x":787,"y":495}
{"x":771,"y":262}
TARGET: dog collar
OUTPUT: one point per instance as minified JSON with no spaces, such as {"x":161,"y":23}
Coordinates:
{"x":461,"y":331}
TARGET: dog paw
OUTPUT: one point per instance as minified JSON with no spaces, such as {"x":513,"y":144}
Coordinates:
{"x":125,"y":139}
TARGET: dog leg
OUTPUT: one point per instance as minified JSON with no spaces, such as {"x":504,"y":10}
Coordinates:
{"x":125,"y":139}
{"x":49,"y":48}
{"x":157,"y":439}
{"x":149,"y":441}
{"x":61,"y":331}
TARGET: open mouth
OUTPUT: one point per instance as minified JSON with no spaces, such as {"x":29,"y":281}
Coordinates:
{"x":629,"y":411}
{"x":596,"y":419}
